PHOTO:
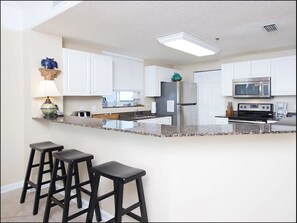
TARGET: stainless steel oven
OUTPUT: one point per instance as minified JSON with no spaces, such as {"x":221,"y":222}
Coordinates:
{"x":258,"y":113}
{"x":252,"y":88}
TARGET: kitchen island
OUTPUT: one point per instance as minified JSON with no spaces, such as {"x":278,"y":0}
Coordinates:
{"x":236,"y":172}
{"x":175,"y":131}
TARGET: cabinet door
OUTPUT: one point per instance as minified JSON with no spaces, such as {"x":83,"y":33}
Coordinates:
{"x":128,"y":74}
{"x":151,"y":80}
{"x":227,"y":77}
{"x":261,"y":68}
{"x":101,"y":75}
{"x":242,"y":69}
{"x":221,"y":120}
{"x":76,"y":72}
{"x":154,"y":75}
{"x":283,"y":76}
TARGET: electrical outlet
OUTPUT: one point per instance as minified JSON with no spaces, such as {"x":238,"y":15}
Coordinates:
{"x":94,"y":108}
{"x":81,"y":108}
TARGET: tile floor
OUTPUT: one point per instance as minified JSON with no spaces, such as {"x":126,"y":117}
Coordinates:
{"x":13,"y":211}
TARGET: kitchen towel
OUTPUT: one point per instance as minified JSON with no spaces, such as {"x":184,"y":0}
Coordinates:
{"x":153,"y":107}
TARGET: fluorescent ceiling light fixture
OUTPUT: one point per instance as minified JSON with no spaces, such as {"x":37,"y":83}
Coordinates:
{"x":184,"y":42}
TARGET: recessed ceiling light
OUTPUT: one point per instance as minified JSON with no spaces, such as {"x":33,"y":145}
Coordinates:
{"x":184,"y":42}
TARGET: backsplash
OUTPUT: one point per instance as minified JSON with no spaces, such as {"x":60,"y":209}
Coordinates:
{"x":94,"y":105}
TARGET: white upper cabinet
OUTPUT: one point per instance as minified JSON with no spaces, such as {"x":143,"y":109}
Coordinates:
{"x":254,"y":68}
{"x":247,"y":69}
{"x":76,"y":72}
{"x":227,"y":77}
{"x":283,"y":76}
{"x":86,"y":74}
{"x":242,"y":69}
{"x":101,"y":75}
{"x":154,"y":75}
{"x":261,"y":68}
{"x":128,"y":74}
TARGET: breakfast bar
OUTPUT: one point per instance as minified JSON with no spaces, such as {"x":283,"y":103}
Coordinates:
{"x":194,"y":173}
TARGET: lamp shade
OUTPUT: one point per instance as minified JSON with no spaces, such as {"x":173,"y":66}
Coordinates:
{"x":47,"y":88}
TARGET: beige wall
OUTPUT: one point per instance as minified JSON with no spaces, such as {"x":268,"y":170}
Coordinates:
{"x":21,"y":53}
{"x":12,"y":107}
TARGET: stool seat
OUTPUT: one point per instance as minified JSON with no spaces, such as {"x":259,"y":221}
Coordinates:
{"x":73,"y":156}
{"x":46,"y":146}
{"x":118,"y":172}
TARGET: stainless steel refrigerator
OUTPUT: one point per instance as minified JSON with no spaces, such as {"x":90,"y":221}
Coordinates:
{"x":179,"y":100}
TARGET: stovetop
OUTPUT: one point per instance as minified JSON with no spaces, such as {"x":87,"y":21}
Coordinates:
{"x":254,"y":112}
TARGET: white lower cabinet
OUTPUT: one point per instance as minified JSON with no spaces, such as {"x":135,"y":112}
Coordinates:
{"x":86,"y":74}
{"x":160,"y":120}
{"x":221,"y":120}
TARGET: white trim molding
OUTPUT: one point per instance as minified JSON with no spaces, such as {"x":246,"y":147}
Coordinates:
{"x":12,"y":186}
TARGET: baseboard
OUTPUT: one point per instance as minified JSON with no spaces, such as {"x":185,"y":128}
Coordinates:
{"x":11,"y":187}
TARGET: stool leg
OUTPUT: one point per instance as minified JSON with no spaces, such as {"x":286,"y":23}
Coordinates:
{"x":38,"y":184}
{"x":141,"y":200}
{"x":97,"y":209}
{"x":50,"y":192}
{"x":76,"y":178}
{"x":93,"y":199}
{"x":63,"y":171}
{"x":119,"y":202}
{"x":67,"y":193}
{"x":51,"y":163}
{"x":27,"y":177}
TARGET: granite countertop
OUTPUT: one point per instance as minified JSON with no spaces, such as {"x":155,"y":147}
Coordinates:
{"x":175,"y":131}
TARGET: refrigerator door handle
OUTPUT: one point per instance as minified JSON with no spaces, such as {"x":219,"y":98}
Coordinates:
{"x":188,"y":104}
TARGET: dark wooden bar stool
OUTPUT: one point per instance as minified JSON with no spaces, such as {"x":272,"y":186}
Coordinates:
{"x":72,"y":157}
{"x":44,"y":148}
{"x":120,"y":174}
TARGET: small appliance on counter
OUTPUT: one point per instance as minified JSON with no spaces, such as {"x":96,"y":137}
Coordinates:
{"x":81,"y":114}
{"x":281,"y":110}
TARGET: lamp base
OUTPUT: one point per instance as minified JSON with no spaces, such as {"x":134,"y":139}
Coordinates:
{"x":50,"y":117}
{"x":48,"y":108}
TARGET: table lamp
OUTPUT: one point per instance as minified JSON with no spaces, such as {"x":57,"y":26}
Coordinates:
{"x":47,"y":88}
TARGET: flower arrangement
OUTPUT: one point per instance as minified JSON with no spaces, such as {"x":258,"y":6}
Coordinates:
{"x":49,"y":63}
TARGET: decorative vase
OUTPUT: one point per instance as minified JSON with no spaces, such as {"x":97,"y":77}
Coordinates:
{"x":176,"y":77}
{"x":49,"y":63}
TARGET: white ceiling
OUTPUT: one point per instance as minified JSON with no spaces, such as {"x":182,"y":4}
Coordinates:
{"x":131,"y":27}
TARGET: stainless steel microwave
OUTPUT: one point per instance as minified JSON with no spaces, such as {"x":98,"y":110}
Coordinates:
{"x":252,"y":88}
